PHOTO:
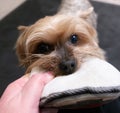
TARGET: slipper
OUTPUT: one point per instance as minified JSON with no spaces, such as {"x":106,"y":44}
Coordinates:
{"x":96,"y":82}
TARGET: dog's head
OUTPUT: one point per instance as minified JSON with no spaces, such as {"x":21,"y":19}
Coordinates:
{"x":57,"y":43}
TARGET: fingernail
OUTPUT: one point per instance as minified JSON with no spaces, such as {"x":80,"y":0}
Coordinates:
{"x":48,"y":76}
{"x":36,"y":70}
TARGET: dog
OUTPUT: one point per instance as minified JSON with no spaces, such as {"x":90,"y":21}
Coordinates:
{"x":60,"y":43}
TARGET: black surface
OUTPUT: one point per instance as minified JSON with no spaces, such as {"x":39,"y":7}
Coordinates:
{"x":32,"y":10}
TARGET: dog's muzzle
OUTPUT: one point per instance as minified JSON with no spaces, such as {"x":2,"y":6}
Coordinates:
{"x":95,"y":83}
{"x":68,"y":66}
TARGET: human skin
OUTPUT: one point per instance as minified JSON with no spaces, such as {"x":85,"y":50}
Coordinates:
{"x":23,"y":95}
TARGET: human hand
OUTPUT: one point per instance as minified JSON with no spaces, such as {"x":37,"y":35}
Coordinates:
{"x":23,"y":95}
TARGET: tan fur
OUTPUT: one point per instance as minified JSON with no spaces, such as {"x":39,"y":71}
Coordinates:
{"x":56,"y":31}
{"x":79,"y":7}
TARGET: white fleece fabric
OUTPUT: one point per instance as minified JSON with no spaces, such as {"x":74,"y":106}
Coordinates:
{"x":94,"y":72}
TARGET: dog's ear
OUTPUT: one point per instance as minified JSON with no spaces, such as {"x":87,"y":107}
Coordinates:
{"x":22,"y":28}
{"x":20,"y":44}
{"x":85,"y":14}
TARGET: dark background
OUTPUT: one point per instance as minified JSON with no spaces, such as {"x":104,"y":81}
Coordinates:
{"x":32,"y":10}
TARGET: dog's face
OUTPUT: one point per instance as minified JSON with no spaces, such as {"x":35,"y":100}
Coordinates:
{"x":57,"y":43}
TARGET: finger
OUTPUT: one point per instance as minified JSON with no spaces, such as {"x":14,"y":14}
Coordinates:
{"x":14,"y":88}
{"x":33,"y":88}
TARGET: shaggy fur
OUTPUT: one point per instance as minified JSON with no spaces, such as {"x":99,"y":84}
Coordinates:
{"x":55,"y":31}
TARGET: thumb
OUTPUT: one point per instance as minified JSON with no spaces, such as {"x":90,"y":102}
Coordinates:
{"x":33,"y":88}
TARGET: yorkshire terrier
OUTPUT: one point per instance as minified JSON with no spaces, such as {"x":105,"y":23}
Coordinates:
{"x":60,"y":43}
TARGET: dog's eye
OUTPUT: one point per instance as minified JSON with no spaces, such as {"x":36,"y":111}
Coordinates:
{"x":74,"y":39}
{"x":43,"y":48}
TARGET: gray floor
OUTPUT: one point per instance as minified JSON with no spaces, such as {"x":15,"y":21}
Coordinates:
{"x":29,"y":12}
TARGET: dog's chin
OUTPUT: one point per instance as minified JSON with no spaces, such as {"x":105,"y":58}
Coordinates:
{"x":53,"y":71}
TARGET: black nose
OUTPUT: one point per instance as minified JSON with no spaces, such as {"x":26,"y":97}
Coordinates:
{"x":67,"y":67}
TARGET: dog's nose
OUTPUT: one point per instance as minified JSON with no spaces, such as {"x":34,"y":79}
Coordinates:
{"x":67,"y":67}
